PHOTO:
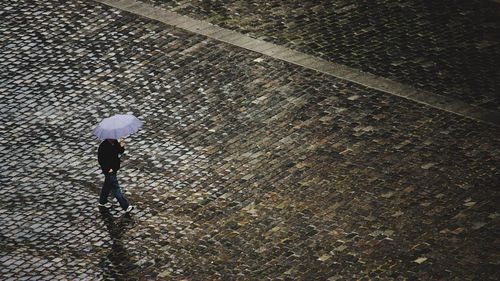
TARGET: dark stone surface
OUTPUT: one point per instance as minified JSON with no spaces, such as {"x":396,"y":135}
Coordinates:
{"x":447,"y":47}
{"x":245,"y":169}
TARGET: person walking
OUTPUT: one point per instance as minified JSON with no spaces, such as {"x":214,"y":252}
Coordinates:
{"x":108,"y":156}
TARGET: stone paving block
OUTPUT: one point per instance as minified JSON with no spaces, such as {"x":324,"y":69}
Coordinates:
{"x":446,"y":48}
{"x":246,"y":167}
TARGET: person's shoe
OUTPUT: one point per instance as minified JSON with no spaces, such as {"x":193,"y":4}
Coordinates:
{"x":129,"y":209}
{"x":105,"y":205}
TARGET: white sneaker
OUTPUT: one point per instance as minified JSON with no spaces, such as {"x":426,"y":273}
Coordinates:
{"x":129,"y":209}
{"x":105,"y":205}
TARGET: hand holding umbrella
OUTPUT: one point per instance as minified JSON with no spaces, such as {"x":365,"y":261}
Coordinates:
{"x":122,"y":143}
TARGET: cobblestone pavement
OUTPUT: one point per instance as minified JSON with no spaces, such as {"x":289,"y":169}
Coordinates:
{"x":445,"y":47}
{"x":247,"y":168}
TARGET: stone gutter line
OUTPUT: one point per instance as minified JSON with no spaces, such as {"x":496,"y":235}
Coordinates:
{"x":304,"y":60}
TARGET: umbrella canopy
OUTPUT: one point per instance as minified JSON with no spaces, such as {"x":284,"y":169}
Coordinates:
{"x":117,"y":126}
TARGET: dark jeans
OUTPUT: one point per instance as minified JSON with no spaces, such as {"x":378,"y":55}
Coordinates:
{"x":111,"y":185}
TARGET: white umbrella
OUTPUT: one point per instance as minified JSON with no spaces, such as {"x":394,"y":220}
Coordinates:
{"x":117,"y":126}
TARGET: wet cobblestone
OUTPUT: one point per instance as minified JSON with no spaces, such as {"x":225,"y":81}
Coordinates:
{"x":247,"y":168}
{"x":445,"y":47}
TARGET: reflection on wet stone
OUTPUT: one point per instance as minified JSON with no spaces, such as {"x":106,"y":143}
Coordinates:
{"x":118,"y":263}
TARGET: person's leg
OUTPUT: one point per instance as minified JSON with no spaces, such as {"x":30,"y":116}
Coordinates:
{"x":115,"y":188}
{"x":106,"y":188}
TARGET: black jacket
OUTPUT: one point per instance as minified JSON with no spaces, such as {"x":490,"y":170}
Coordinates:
{"x":108,"y":155}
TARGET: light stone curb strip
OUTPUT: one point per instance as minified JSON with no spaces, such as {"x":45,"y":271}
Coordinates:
{"x":295,"y":57}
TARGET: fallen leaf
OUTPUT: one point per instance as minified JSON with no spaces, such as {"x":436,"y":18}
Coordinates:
{"x":470,"y":204}
{"x":324,"y":257}
{"x":420,"y":260}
